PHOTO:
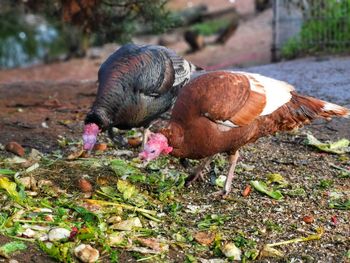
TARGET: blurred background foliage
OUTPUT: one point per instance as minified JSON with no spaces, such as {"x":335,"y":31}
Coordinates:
{"x":33,"y":30}
{"x":326,"y":29}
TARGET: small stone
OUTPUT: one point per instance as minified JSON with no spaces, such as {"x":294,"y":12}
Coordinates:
{"x":135,"y":141}
{"x":44,"y":125}
{"x":84,"y":185}
{"x":86,"y":253}
{"x":56,"y":234}
{"x":100,"y":147}
{"x":308,"y":219}
{"x":247,"y":191}
{"x":29,"y":233}
{"x":15,"y":148}
{"x":231,"y":251}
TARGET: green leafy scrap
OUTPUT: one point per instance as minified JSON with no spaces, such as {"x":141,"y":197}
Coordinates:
{"x":124,"y":169}
{"x":7,"y":172}
{"x":128,"y":190}
{"x":262,"y":187}
{"x":10,"y":248}
{"x":213,"y":220}
{"x":341,"y":205}
{"x":131,"y":193}
{"x":10,"y":187}
{"x":339,"y":147}
{"x":58,"y":251}
{"x":276,"y":178}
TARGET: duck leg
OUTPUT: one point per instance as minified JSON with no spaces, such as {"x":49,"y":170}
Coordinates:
{"x":199,"y":171}
{"x":117,"y":138}
{"x":228,"y":183}
{"x":146,"y":134}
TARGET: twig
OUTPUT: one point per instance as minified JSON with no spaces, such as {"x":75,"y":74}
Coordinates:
{"x":151,"y":217}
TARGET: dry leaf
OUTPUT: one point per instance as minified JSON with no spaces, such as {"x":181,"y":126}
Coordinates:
{"x":153,"y":244}
{"x":75,"y":155}
{"x":204,"y":238}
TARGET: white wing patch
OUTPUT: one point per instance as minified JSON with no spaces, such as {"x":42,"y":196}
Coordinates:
{"x":222,"y":125}
{"x":225,"y":126}
{"x":277,"y":92}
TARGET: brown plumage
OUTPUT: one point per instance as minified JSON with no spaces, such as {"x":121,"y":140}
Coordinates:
{"x":222,"y":111}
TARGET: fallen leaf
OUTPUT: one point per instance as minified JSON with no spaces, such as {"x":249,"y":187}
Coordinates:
{"x":268,"y":251}
{"x":116,"y":239}
{"x":153,"y":244}
{"x":204,"y":238}
{"x":127,"y":189}
{"x":75,"y":155}
{"x":10,"y":187}
{"x":128,"y":225}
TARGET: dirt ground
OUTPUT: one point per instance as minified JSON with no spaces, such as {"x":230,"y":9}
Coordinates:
{"x":36,"y":113}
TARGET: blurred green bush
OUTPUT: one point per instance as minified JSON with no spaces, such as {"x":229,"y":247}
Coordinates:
{"x":34,"y":30}
{"x":326,"y":30}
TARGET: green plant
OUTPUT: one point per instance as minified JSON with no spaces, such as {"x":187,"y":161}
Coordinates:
{"x":326,"y":30}
{"x":210,"y":27}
